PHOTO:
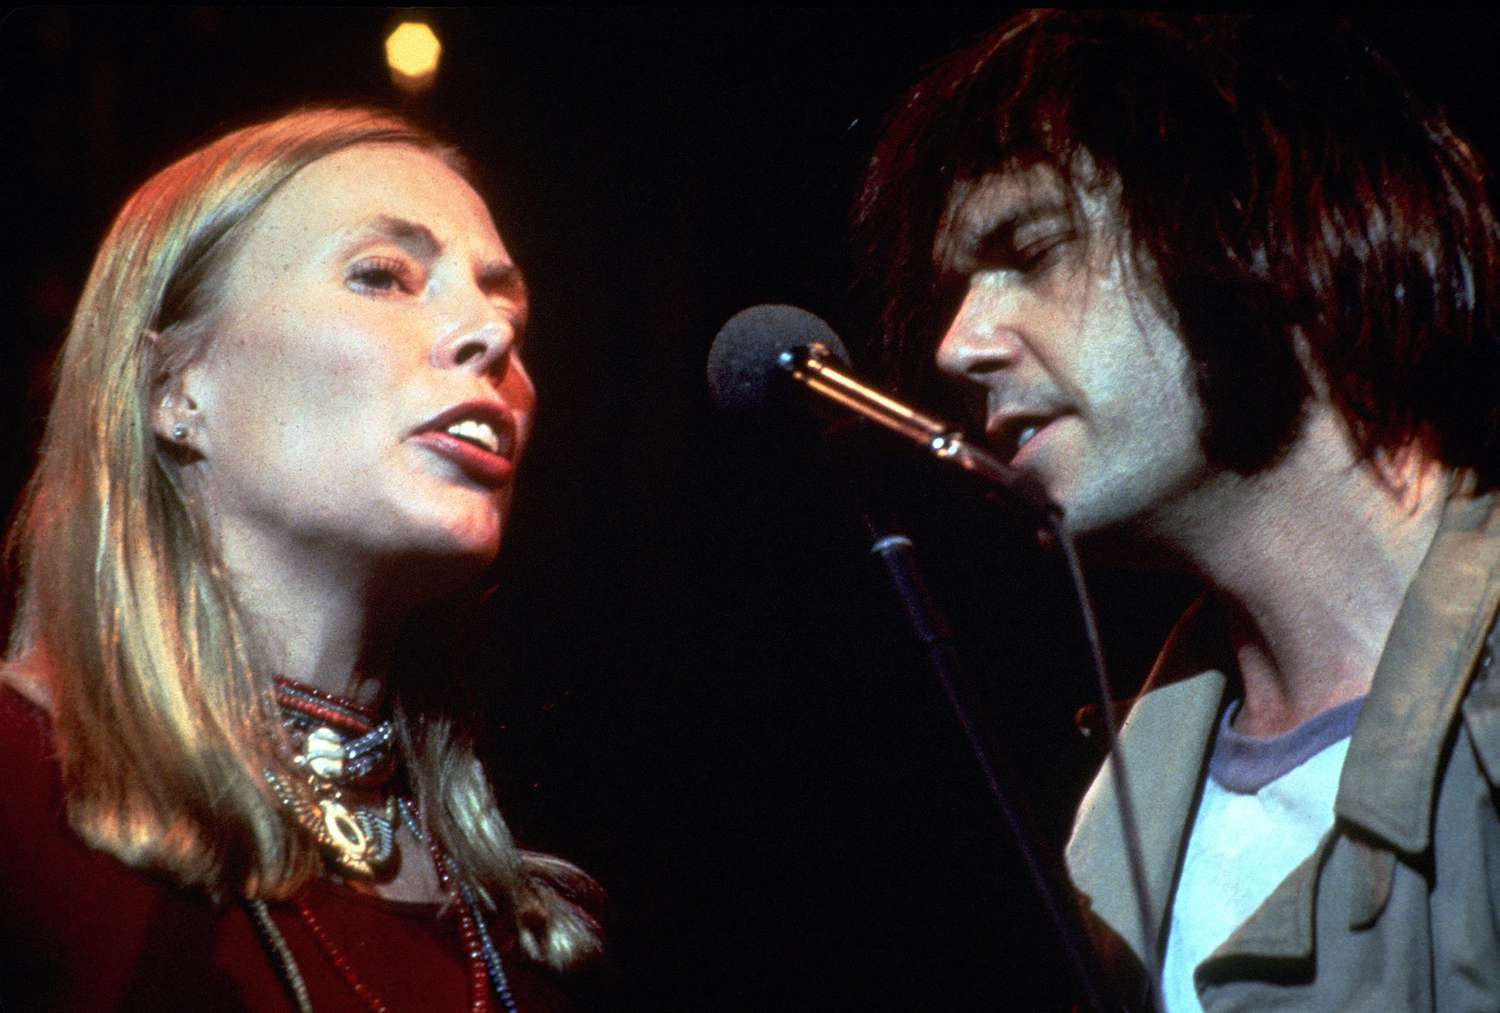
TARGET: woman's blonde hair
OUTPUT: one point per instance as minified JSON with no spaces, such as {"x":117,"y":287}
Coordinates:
{"x":164,"y":721}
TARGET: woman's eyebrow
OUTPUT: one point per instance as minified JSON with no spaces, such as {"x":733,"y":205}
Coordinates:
{"x":497,"y":276}
{"x":413,"y":237}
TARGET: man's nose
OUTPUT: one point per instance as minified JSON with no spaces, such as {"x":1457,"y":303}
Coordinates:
{"x":980,"y":341}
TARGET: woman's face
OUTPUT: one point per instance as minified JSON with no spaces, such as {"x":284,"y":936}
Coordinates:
{"x":359,"y":393}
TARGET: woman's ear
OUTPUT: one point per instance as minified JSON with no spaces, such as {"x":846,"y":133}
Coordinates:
{"x":176,"y":417}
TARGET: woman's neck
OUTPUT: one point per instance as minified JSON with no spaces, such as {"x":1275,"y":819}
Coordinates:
{"x":314,"y":617}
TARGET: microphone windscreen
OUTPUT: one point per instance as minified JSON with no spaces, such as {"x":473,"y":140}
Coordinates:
{"x":742,"y":361}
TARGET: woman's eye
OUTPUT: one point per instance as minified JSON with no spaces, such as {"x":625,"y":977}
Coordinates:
{"x":383,"y":275}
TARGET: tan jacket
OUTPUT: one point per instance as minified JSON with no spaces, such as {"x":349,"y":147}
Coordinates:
{"x":1399,"y":906}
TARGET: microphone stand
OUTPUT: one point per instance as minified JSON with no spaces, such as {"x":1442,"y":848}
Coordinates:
{"x":816,"y":368}
{"x":931,"y":628}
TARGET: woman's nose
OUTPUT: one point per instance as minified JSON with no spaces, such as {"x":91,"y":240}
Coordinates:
{"x":481,"y":348}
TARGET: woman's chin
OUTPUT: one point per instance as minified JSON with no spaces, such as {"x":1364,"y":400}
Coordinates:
{"x":462,"y":528}
{"x":446,"y":553}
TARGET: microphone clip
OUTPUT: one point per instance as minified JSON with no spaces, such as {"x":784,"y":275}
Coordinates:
{"x":816,"y":367}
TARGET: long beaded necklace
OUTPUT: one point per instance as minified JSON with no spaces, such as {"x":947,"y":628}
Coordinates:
{"x":485,"y":967}
{"x":360,"y":840}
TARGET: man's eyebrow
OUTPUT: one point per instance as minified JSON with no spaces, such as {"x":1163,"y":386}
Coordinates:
{"x":998,"y":235}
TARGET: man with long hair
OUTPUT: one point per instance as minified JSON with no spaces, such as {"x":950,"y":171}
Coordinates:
{"x":1228,"y":289}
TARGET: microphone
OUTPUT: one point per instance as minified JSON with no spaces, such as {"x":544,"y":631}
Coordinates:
{"x":762,"y":348}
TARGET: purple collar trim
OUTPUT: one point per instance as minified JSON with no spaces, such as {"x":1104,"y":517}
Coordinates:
{"x":1245,"y":764}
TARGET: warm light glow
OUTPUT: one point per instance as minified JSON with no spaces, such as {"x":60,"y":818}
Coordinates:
{"x":412,"y":50}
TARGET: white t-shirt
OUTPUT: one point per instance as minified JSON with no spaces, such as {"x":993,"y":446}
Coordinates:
{"x":1266,"y":804}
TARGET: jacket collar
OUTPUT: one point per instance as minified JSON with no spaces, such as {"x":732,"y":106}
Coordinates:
{"x":1163,"y":743}
{"x":1390,"y":776}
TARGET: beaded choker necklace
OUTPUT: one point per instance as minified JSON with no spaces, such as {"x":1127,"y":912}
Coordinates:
{"x":336,"y":745}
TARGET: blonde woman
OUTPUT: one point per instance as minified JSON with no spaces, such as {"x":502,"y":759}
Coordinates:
{"x":236,"y":768}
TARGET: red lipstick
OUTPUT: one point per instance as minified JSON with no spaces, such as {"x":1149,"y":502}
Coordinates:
{"x":488,"y":468}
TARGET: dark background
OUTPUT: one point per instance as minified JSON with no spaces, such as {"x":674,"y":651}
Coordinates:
{"x":702,"y":693}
